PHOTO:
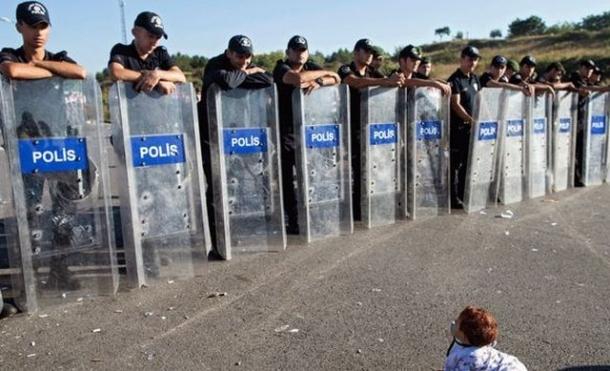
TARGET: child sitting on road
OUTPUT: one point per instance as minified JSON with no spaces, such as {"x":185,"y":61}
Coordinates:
{"x":474,"y":337}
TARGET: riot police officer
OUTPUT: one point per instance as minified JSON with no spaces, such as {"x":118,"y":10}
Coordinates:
{"x":465,"y":85}
{"x":143,"y":61}
{"x":295,"y":72}
{"x":358,"y":74}
{"x":32,"y":61}
{"x":229,"y":70}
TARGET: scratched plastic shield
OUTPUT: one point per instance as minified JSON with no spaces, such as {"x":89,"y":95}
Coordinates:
{"x":161,"y":181}
{"x":382,"y":146}
{"x":595,"y":140}
{"x":245,"y":168}
{"x":321,"y":125}
{"x":512,"y":162}
{"x":537,"y":167}
{"x":481,"y":175}
{"x":563,"y":140}
{"x":428,"y":153}
{"x":59,"y":237}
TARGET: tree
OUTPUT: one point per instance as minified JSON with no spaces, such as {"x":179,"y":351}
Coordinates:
{"x":495,"y":34}
{"x":559,"y":28}
{"x":459,"y":35}
{"x":444,"y":31}
{"x":523,"y":27}
{"x":596,"y":22}
{"x":341,"y":56}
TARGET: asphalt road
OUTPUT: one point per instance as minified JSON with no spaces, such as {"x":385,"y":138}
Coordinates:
{"x":380,"y":299}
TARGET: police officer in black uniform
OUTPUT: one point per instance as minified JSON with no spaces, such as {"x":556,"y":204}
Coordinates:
{"x":495,"y":74}
{"x":32,"y":61}
{"x":378,"y":58}
{"x":408,"y":61}
{"x":597,"y":77}
{"x":425,"y":68}
{"x":512,"y":67}
{"x":553,"y":75}
{"x":143,"y":61}
{"x":359,"y":75}
{"x":496,"y":77}
{"x":465,"y":85}
{"x":229,"y":70}
{"x":581,"y":81}
{"x":295,"y":72}
{"x":526,"y":77}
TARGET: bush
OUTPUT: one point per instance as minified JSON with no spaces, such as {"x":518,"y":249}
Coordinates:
{"x":524,"y":27}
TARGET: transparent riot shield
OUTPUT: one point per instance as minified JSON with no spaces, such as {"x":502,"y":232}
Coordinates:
{"x":481,"y":174}
{"x":8,"y":233}
{"x":321,"y":126}
{"x":536,"y":164}
{"x":564,"y":140}
{"x":382,"y":125}
{"x":512,"y":162}
{"x":595,"y":137}
{"x":244,"y":140}
{"x":428,"y":153}
{"x":6,"y":194}
{"x":58,"y":173}
{"x":163,"y":209}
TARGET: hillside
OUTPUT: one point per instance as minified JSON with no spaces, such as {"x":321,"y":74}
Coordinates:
{"x":567,"y":48}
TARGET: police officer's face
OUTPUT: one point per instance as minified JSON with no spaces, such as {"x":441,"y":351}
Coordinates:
{"x":239,"y":61}
{"x":363,"y":57}
{"x":377,"y":62}
{"x":527,"y":70}
{"x":469,"y":64}
{"x":497,"y":71}
{"x":34,"y":36}
{"x":586,"y":72}
{"x":425,"y":69}
{"x":146,"y":42}
{"x":595,"y":77}
{"x":555,"y":75}
{"x":299,"y":57}
{"x":412,"y":64}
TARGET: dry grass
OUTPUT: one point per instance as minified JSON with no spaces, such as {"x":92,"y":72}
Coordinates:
{"x":567,"y":48}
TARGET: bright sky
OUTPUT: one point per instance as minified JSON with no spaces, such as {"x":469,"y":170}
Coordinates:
{"x":87,"y":29}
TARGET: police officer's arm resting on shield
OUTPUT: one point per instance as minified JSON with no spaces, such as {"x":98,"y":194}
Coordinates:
{"x":581,"y":78}
{"x":465,"y":82}
{"x":31,"y":61}
{"x":527,"y":76}
{"x":234,"y":68}
{"x":409,"y":59}
{"x":358,"y":75}
{"x":144,"y":61}
{"x":297,"y":70}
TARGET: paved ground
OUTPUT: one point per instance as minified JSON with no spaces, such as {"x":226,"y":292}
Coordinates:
{"x":380,"y":299}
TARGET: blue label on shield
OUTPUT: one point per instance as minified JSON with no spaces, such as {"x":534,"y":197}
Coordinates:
{"x":565,"y":125}
{"x":514,"y":128}
{"x":598,"y":125}
{"x":429,"y":130}
{"x":385,"y":133}
{"x":50,"y":155}
{"x":245,"y":141}
{"x":155,"y":150}
{"x":488,"y":130}
{"x":322,"y":136}
{"x":540,"y":126}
